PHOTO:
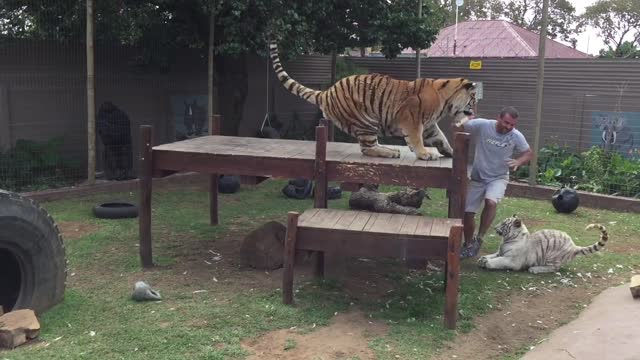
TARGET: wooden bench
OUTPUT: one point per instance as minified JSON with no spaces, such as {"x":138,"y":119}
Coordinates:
{"x":369,"y":234}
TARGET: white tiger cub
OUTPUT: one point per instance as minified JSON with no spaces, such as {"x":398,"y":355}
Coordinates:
{"x":540,"y":252}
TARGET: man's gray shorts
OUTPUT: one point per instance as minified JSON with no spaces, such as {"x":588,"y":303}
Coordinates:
{"x":478,"y":191}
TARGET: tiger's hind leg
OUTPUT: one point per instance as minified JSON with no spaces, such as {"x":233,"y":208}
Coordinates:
{"x":370,"y":147}
{"x":543,"y":269}
{"x":433,"y":136}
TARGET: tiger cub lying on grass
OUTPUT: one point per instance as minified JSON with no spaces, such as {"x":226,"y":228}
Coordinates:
{"x":540,"y":252}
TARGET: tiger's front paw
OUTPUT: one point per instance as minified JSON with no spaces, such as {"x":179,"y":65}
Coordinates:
{"x":429,"y":154}
{"x":482,"y":262}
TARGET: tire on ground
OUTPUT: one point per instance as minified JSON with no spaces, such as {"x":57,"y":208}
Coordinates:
{"x":115,"y":210}
{"x":32,"y":256}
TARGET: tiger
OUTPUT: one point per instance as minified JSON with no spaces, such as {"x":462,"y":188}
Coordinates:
{"x":541,"y":252}
{"x":365,"y":106}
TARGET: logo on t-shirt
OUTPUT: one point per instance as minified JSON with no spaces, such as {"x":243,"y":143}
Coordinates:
{"x":500,"y":144}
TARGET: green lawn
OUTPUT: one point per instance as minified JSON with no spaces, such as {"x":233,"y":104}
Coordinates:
{"x":97,"y":319}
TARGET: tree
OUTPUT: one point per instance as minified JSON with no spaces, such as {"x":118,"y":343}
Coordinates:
{"x":627,"y":50}
{"x":563,"y":24}
{"x":242,"y":28}
{"x":399,"y":27}
{"x":474,"y":10}
{"x":616,"y":20}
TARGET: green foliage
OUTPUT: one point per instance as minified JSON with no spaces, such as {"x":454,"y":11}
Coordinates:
{"x":595,"y":170}
{"x":626,"y":50}
{"x":33,"y":164}
{"x":564,"y":23}
{"x":615,"y":20}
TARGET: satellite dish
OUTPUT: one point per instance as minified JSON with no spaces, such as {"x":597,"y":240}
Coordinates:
{"x":459,"y":2}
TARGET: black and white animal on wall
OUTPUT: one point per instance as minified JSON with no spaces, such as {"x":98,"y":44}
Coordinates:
{"x":616,"y":135}
{"x":195,"y":117}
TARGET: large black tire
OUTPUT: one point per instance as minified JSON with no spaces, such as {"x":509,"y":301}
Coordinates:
{"x":32,"y":256}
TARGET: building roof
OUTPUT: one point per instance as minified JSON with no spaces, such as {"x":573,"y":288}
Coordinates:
{"x":495,"y":38}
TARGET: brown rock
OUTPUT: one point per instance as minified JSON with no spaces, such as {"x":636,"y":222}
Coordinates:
{"x":263,"y":248}
{"x":16,"y":327}
{"x":635,"y":286}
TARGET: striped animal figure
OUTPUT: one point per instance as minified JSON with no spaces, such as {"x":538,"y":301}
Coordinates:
{"x":365,"y":106}
{"x":540,"y":252}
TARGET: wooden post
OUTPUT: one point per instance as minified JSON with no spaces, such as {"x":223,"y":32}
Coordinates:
{"x":91,"y":97}
{"x":214,"y":129}
{"x":453,"y":277}
{"x":320,"y":173}
{"x":320,"y":194}
{"x":289,"y":257}
{"x":145,"y":175}
{"x":533,"y":164}
{"x":458,"y":185}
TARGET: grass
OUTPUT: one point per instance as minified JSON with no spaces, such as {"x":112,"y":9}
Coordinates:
{"x":97,"y":319}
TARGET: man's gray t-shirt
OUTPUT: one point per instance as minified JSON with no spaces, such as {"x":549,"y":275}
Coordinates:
{"x":493,"y":149}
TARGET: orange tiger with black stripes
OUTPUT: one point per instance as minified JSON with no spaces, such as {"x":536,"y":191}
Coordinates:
{"x":365,"y":106}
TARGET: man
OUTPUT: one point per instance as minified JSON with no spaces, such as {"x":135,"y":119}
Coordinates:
{"x":497,"y":141}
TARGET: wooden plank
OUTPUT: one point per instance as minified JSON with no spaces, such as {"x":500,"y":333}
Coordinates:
{"x":391,"y":174}
{"x":362,"y":218}
{"x":307,"y":215}
{"x":324,"y":218}
{"x":424,"y":227}
{"x":345,"y":221}
{"x":388,"y":223}
{"x":409,"y":225}
{"x":372,"y":220}
{"x":441,"y":226}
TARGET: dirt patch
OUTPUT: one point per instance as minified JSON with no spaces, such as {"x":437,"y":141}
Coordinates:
{"x":523,"y":321}
{"x":346,"y":337}
{"x":73,"y":230}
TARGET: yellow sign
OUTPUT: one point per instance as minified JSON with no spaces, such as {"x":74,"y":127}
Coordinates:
{"x":475,"y":65}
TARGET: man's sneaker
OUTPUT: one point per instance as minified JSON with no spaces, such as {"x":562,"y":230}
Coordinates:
{"x":472,"y":249}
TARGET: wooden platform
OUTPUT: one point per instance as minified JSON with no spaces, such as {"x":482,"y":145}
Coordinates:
{"x":361,"y":233}
{"x":281,"y":158}
{"x":320,"y":161}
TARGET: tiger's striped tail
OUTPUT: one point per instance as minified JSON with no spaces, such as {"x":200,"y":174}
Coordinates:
{"x":604,"y":236}
{"x":293,"y":86}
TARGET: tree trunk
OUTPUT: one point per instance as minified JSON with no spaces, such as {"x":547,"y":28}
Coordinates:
{"x":406,"y":202}
{"x":234,"y":79}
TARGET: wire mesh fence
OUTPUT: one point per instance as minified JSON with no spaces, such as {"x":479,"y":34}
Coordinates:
{"x":589,"y":135}
{"x":590,"y":142}
{"x":42,"y":95}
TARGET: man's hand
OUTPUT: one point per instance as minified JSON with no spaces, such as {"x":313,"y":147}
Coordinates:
{"x":513,"y":164}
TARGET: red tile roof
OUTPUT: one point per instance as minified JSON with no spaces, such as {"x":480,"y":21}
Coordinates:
{"x":494,"y":38}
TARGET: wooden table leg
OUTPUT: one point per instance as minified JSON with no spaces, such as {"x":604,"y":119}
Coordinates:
{"x":289,"y":257}
{"x":453,"y":277}
{"x":321,"y":188}
{"x":458,"y":186}
{"x":145,"y":175}
{"x":214,"y":129}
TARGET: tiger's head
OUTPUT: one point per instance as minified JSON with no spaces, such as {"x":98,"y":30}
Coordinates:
{"x":511,"y":227}
{"x":462,"y":101}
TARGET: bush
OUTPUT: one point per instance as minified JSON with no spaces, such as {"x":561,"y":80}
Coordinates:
{"x":595,"y":170}
{"x":32,"y":165}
